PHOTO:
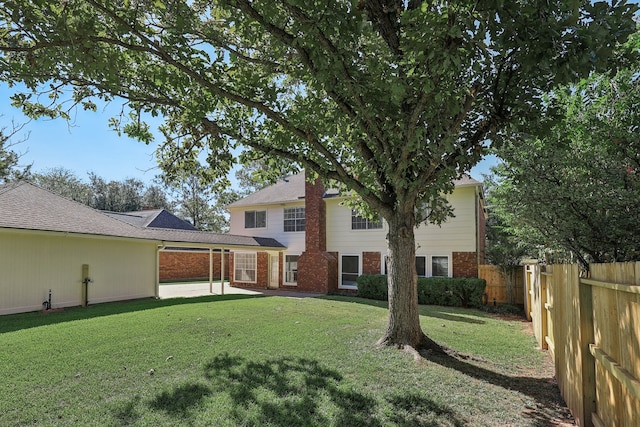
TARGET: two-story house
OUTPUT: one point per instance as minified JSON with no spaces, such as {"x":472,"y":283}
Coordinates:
{"x":328,"y":245}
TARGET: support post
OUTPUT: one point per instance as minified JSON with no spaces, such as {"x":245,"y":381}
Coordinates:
{"x":222,"y":271}
{"x":210,"y":270}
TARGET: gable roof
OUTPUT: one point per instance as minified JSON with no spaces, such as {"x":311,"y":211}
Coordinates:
{"x":291,"y":189}
{"x":24,"y":206}
{"x":155,"y":218}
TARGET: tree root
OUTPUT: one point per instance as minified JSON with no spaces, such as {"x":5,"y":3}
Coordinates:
{"x":424,"y":344}
{"x":425,"y":348}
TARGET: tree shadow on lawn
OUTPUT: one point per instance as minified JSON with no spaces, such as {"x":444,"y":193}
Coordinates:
{"x":301,"y":392}
{"x":182,"y":400}
{"x":549,"y":406}
{"x":16,"y":322}
{"x":439,"y":312}
{"x":435,"y":311}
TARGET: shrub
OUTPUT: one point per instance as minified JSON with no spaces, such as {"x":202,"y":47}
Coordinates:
{"x":451,"y":291}
{"x":373,"y":286}
{"x":447,"y":291}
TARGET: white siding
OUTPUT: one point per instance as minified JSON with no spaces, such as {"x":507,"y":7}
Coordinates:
{"x":458,"y":234}
{"x":31,"y":264}
{"x":341,"y":238}
{"x":293,"y":240}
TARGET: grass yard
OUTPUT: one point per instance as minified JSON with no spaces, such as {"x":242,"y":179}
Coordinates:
{"x":266,"y":361}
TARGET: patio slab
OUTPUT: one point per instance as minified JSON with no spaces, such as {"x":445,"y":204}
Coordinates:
{"x":198,"y":289}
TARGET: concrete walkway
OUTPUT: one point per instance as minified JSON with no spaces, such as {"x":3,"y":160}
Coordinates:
{"x":197,"y":289}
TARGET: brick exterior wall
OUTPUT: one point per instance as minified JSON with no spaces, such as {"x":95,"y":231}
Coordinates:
{"x":262,"y":274}
{"x":317,"y":268}
{"x":315,"y":236}
{"x":465,"y":264}
{"x":371,"y":262}
{"x":183,"y":265}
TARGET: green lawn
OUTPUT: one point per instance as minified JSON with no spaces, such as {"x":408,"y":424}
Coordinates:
{"x":260,"y":361}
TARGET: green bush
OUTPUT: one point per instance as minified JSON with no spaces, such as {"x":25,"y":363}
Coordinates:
{"x":373,"y":286}
{"x":446,"y":291}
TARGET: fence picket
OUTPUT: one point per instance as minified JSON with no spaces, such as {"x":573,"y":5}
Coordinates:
{"x":597,"y":317}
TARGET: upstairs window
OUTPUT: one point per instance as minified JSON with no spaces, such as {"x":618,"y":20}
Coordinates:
{"x":360,"y":223}
{"x":255,"y":219}
{"x":294,"y":219}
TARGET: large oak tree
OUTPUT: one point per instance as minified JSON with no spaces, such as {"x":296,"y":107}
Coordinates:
{"x":389,"y":99}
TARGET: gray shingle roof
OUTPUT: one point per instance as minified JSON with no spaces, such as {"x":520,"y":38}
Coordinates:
{"x":291,"y":189}
{"x":25,"y":206}
{"x":158,"y":218}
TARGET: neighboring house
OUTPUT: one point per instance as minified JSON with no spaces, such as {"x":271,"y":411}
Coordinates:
{"x":177,"y":264}
{"x":328,"y":246}
{"x":48,"y":242}
{"x":153,"y":218}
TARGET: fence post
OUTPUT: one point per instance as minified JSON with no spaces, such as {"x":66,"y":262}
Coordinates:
{"x":543,"y":309}
{"x":586,"y":338}
{"x":528,"y":289}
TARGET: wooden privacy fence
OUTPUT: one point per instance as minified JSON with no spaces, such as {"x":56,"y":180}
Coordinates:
{"x":496,"y":289}
{"x":591,"y":327}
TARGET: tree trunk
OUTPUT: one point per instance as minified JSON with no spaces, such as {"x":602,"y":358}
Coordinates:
{"x":404,"y":321}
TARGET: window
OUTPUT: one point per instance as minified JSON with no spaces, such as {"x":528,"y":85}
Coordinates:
{"x":421,"y":266}
{"x":291,"y":268}
{"x":294,"y":219}
{"x":244,"y":267}
{"x":360,"y":223}
{"x":440,"y":266}
{"x":255,"y":219}
{"x":350,"y":270}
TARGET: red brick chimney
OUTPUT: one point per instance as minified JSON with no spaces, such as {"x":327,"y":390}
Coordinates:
{"x":317,"y":268}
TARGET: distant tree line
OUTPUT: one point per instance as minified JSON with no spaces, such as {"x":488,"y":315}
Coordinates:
{"x":188,"y":197}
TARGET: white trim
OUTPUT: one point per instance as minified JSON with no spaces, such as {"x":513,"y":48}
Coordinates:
{"x":235,"y":264}
{"x":340,"y":285}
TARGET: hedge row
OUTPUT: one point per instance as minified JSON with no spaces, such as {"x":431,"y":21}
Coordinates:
{"x":447,"y":291}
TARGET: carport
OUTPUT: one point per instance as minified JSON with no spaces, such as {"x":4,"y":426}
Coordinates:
{"x":213,"y":243}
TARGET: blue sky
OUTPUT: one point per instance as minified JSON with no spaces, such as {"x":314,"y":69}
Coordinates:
{"x":87,"y":144}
